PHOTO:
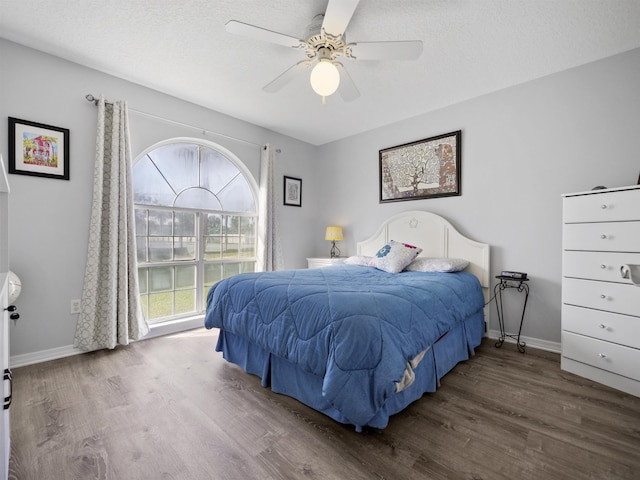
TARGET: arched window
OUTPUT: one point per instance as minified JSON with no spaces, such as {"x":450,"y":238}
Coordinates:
{"x":196,"y":217}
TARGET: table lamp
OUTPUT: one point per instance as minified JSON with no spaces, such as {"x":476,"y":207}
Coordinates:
{"x":334,"y":234}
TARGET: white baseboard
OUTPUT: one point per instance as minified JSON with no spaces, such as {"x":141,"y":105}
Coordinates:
{"x":555,"y":347}
{"x":61,"y":352}
{"x":43,"y":356}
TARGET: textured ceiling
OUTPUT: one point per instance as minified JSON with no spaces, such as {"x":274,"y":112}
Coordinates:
{"x":471,"y":47}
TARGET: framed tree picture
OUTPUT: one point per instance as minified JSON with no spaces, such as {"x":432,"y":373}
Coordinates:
{"x":426,"y":168}
{"x":37,"y":149}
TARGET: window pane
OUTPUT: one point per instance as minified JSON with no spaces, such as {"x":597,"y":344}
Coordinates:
{"x":230,"y":246}
{"x":142,"y":279}
{"x":160,"y":305}
{"x":160,"y":279}
{"x":149,"y":186}
{"x":216,"y":170}
{"x":232,"y":224}
{"x":237,"y":196}
{"x":160,"y":222}
{"x":144,"y":301}
{"x":212,"y":273}
{"x":248,"y":267}
{"x":141,"y":221}
{"x":185,"y":276}
{"x":213,"y":225}
{"x":185,"y":301}
{"x":213,"y":248}
{"x":213,"y":237}
{"x":184,"y":223}
{"x":198,"y":198}
{"x":178,"y":163}
{"x":205,"y":293}
{"x":141,"y":248}
{"x":231,"y":269}
{"x":247,"y":237}
{"x":160,"y":249}
{"x":184,"y":248}
{"x":231,"y":239}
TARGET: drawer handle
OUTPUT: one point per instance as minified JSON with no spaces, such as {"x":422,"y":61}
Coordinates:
{"x":602,"y":355}
{"x":7,"y":400}
{"x":603,"y":326}
{"x":603,"y":236}
{"x":603,"y":296}
{"x":603,"y":266}
{"x":603,"y":207}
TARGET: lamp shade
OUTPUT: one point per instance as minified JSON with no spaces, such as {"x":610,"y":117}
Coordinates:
{"x":333,"y":233}
{"x":325,"y":78}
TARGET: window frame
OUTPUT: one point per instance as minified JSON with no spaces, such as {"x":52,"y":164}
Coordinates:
{"x":200,"y":230}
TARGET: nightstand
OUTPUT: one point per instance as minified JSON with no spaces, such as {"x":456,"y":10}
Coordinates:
{"x":320,"y":262}
{"x":520,"y":285}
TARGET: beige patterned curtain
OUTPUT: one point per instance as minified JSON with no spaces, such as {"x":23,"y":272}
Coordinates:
{"x":111,"y":313}
{"x":269,"y":252}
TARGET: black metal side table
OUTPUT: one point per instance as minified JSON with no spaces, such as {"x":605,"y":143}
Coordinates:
{"x":521,"y":286}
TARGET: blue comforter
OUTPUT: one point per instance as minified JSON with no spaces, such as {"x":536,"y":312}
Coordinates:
{"x":355,"y":327}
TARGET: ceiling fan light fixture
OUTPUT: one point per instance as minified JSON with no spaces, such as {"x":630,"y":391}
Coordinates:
{"x":325,"y":78}
{"x":323,"y":45}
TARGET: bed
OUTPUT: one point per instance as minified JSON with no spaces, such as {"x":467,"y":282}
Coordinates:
{"x":356,"y":342}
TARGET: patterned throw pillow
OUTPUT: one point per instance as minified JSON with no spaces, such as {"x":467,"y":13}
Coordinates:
{"x":437,"y":265}
{"x":394,"y":257}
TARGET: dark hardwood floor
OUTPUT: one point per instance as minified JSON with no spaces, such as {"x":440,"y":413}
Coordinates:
{"x":172,"y":408}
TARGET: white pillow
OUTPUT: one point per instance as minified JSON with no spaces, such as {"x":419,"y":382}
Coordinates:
{"x":394,"y":257}
{"x":425,"y":264}
{"x":358,"y":260}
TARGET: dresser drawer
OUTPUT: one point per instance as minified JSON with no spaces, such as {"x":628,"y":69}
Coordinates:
{"x":607,"y":356}
{"x":611,"y":327}
{"x":598,"y":265}
{"x":611,"y":297}
{"x":602,"y":207}
{"x":602,"y":237}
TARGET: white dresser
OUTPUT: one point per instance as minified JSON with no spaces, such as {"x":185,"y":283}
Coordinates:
{"x":5,"y":442}
{"x":601,"y":308}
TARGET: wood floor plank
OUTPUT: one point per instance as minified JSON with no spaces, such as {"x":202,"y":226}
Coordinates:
{"x":172,"y":408}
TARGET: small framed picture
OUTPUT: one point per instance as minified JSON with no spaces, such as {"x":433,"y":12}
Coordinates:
{"x":37,"y":149}
{"x":292,"y":191}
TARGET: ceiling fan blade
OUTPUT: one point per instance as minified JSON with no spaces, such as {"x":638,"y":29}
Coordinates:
{"x":338,"y":16}
{"x":251,"y":31}
{"x":287,"y":76}
{"x":402,"y":50}
{"x":347,"y":89}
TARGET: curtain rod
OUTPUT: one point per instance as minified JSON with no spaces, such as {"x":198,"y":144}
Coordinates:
{"x":95,"y":100}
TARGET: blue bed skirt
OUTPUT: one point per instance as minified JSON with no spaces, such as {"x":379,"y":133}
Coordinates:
{"x":286,"y":378}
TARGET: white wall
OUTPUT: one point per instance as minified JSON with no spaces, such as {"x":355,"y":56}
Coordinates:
{"x":521,"y":149}
{"x":49,"y":219}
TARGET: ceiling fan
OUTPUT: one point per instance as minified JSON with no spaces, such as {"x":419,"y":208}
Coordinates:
{"x":323,"y":44}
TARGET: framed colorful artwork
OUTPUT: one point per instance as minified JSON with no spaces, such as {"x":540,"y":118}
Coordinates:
{"x":37,"y":149}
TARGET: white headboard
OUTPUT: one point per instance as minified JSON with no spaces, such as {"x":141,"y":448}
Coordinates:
{"x":437,"y":238}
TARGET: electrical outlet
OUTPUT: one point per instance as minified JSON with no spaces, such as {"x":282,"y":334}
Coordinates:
{"x":75,"y":305}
